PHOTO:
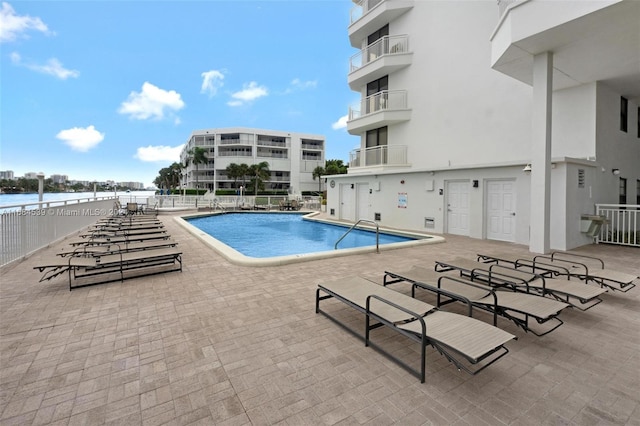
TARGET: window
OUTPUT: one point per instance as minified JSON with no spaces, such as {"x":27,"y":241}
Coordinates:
{"x":377,"y":35}
{"x":624,"y":104}
{"x":623,"y":191}
{"x":376,"y":103}
{"x":377,"y":137}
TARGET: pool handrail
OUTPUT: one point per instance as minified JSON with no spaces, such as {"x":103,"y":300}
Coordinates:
{"x":335,"y":247}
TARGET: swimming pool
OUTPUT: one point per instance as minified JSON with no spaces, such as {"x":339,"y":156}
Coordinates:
{"x":260,"y":239}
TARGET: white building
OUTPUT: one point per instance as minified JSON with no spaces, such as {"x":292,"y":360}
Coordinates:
{"x":7,"y":174}
{"x":291,"y":156}
{"x":457,"y":98}
{"x":59,"y":179}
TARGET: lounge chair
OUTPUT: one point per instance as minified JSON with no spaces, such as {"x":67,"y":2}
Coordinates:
{"x":96,"y":233}
{"x":105,"y":226}
{"x":586,"y":268}
{"x":117,"y":239}
{"x":464,"y":341}
{"x":111,"y":265}
{"x":577,"y":294}
{"x":514,"y":306}
{"x":116,"y":247}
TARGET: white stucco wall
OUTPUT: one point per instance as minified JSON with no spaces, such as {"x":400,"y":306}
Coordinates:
{"x":456,"y":99}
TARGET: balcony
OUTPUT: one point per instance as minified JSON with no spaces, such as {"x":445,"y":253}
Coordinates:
{"x":591,"y":41}
{"x":382,"y":57}
{"x":369,"y":15}
{"x":383,"y":155}
{"x":381,"y":109}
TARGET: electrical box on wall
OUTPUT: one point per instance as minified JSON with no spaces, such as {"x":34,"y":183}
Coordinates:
{"x":376,"y":186}
{"x":332,"y":212}
{"x":429,"y":222}
{"x":428,"y":185}
{"x":377,"y":216}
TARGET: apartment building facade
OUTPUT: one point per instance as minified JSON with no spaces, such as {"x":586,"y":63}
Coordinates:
{"x":505,"y":122}
{"x":292,"y":157}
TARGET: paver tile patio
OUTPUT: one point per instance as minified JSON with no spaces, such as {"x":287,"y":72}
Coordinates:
{"x":233,"y":345}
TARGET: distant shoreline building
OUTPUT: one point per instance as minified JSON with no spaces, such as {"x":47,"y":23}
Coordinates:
{"x":7,"y":174}
{"x":291,"y":156}
{"x":504,"y":121}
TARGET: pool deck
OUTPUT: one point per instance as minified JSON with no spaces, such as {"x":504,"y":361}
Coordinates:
{"x":225,"y":344}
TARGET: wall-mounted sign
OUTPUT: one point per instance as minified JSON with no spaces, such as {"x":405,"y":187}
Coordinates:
{"x":402,"y":200}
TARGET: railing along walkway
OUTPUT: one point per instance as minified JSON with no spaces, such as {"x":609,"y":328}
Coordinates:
{"x":622,"y":226}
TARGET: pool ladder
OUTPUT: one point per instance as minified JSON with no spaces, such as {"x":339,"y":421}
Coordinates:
{"x":335,"y":247}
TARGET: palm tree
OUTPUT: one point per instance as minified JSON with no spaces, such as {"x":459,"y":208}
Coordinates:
{"x":259,"y":173}
{"x":197,"y":155}
{"x":234,"y":171}
{"x":317,"y":173}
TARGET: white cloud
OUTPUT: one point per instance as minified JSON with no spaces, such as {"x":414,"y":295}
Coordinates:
{"x":249,"y":93}
{"x":159,"y":153}
{"x":341,"y":123}
{"x":296,"y":83}
{"x":13,"y":26}
{"x":211,"y":82}
{"x":81,"y":139}
{"x":52,"y":67}
{"x":151,"y":102}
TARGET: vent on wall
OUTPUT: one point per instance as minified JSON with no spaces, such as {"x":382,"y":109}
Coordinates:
{"x":580,"y":178}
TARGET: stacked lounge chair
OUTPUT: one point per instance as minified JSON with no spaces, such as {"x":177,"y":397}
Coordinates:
{"x":115,"y":249}
{"x":586,"y":268}
{"x":518,"y":307}
{"x":471,"y":345}
{"x":578,"y":294}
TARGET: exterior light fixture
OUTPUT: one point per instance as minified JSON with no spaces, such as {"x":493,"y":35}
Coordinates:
{"x":615,"y":172}
{"x":527,"y":168}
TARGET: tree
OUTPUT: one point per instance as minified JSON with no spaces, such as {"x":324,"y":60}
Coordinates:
{"x":197,"y":155}
{"x":258,"y":174}
{"x":169,"y":177}
{"x":317,"y":173}
{"x":234,"y":171}
{"x":335,"y":167}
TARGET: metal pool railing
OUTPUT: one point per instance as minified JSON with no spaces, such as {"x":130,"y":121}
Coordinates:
{"x":26,"y":228}
{"x":354,"y":227}
{"x":622,"y":225}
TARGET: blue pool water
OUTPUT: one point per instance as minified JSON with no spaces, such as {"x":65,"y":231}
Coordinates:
{"x":265,"y":235}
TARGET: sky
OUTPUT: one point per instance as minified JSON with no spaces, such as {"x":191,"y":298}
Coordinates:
{"x":111,"y":90}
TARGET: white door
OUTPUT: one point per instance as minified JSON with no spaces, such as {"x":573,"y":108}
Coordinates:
{"x":458,"y":208}
{"x":362,"y":206}
{"x":347,"y":202}
{"x":501,"y":210}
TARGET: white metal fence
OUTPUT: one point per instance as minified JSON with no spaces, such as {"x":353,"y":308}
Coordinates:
{"x":228,"y":202}
{"x":26,"y":228}
{"x":622,"y":224}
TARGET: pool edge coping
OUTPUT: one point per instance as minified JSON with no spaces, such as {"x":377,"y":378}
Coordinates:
{"x":238,"y":258}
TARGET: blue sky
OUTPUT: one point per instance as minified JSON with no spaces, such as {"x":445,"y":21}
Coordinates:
{"x":111,"y":90}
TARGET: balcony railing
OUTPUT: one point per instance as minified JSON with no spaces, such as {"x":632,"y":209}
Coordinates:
{"x":381,"y":101}
{"x":271,"y":143}
{"x":362,"y":8}
{"x":387,"y":45}
{"x":379,"y":156}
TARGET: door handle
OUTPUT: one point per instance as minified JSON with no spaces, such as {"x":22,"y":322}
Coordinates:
{"x":513,"y":213}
